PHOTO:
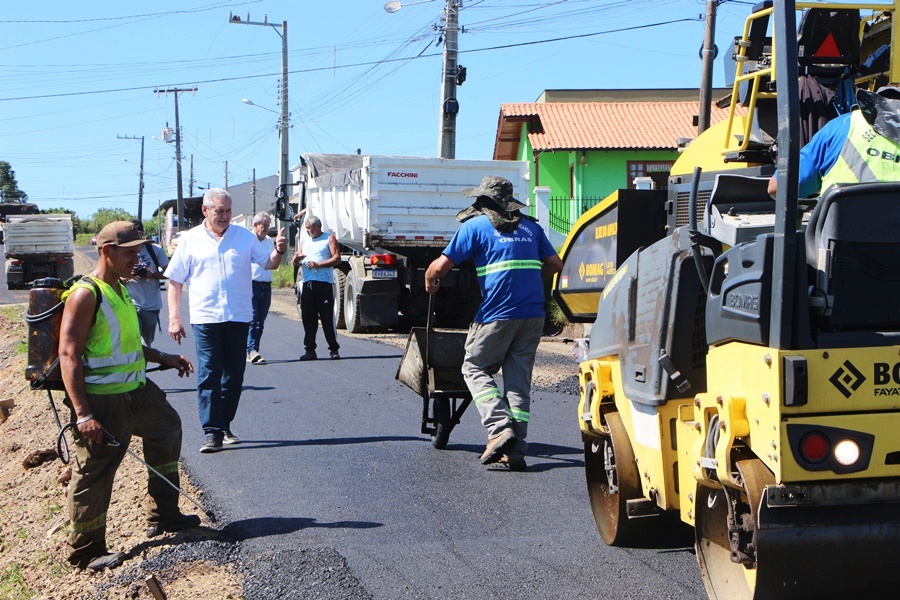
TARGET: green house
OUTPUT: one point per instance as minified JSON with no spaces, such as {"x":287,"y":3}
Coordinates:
{"x":585,"y":144}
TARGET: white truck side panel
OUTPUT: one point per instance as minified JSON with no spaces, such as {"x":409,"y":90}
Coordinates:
{"x":38,"y":234}
{"x":404,"y":201}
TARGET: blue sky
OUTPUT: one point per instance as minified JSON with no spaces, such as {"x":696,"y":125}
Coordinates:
{"x":75,"y":76}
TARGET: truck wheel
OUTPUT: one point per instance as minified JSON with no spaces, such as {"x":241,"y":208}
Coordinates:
{"x":612,"y":479}
{"x":339,"y":282}
{"x":440,"y":409}
{"x":352,"y":318}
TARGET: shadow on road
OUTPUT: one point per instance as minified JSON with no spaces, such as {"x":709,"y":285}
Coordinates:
{"x":240,"y":531}
{"x":552,"y":456}
{"x":324,"y":358}
{"x":257,"y":444}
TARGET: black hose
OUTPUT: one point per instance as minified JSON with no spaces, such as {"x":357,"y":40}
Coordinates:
{"x":692,"y":227}
{"x":31,"y":319}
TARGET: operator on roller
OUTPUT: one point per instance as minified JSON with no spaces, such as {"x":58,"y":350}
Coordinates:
{"x":512,"y":256}
{"x":103,"y":368}
{"x":856,"y":147}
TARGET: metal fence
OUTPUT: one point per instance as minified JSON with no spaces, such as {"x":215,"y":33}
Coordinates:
{"x":565,"y":211}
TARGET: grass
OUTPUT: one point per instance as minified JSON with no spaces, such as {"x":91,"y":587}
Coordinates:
{"x":22,"y":347}
{"x":13,"y":313}
{"x":12,"y":584}
{"x":84,"y":239}
{"x":283,"y":276}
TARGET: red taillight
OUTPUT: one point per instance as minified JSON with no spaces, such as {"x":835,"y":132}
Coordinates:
{"x":16,"y":262}
{"x":815,"y":447}
{"x":384,"y":260}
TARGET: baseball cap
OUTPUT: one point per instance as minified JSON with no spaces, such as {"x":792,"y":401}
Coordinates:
{"x":120,"y":233}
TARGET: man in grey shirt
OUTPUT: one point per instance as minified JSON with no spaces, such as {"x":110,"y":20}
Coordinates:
{"x":143,"y":287}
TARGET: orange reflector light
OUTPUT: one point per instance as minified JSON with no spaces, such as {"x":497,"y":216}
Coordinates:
{"x":815,"y":447}
{"x":384,"y":260}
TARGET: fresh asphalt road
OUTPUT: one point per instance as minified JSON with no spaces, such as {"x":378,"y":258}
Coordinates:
{"x":333,"y":458}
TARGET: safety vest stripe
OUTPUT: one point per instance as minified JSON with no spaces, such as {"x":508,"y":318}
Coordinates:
{"x":116,"y":377}
{"x":486,"y":394}
{"x":507,"y":265}
{"x":857,"y":164}
{"x":519,"y":415}
{"x":92,"y":525}
{"x":165,"y":468}
{"x":98,"y":362}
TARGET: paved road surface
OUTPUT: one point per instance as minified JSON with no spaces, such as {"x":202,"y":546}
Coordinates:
{"x":333,"y":458}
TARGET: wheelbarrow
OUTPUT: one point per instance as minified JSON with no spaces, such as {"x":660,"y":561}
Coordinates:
{"x":431,"y":367}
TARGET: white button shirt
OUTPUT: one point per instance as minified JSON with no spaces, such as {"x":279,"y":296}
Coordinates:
{"x":218,"y":273}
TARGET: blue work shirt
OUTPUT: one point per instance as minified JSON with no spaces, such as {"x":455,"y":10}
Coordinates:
{"x":508,"y":267}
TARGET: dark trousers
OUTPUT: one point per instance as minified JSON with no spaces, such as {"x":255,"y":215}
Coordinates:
{"x":146,"y":414}
{"x":317,"y":302}
{"x":221,"y":360}
{"x":262,"y":300}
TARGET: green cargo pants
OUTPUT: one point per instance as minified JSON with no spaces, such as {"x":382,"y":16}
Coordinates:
{"x":146,"y":414}
{"x":510,"y":346}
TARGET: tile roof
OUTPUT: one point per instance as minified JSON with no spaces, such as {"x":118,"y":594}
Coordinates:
{"x":598,"y":125}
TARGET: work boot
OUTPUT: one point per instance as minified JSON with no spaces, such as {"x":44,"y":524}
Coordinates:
{"x":509,"y":464}
{"x":179,"y":523}
{"x":497,"y":445}
{"x":308,"y":355}
{"x":335,"y":355}
{"x":109,"y":560}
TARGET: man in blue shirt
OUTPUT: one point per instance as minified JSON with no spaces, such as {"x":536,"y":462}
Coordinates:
{"x":860,"y":146}
{"x":512,"y":256}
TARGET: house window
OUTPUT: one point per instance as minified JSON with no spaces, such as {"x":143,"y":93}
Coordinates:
{"x":658,"y":170}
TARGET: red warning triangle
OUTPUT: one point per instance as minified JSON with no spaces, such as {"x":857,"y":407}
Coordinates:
{"x":828,"y":49}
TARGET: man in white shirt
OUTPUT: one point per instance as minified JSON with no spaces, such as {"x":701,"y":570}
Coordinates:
{"x":216,"y":258}
{"x":262,"y":290}
{"x":143,"y":287}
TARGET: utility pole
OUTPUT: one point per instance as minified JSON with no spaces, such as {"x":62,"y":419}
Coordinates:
{"x":140,"y":215}
{"x":226,"y":174}
{"x":449,"y":103}
{"x":284,"y":174}
{"x":177,"y":91}
{"x":708,"y":54}
{"x":253,"y":192}
{"x":191,"y":179}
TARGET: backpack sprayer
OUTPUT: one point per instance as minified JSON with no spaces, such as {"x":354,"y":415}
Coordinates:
{"x":44,"y":319}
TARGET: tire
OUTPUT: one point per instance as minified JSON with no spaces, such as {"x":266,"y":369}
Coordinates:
{"x":440,"y":407}
{"x":352,"y":317}
{"x":613,"y":479}
{"x":339,"y":283}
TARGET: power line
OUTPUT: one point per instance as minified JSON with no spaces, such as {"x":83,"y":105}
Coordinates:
{"x":355,"y":65}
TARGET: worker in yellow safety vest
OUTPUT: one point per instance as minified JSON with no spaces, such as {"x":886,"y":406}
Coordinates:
{"x":103,"y":368}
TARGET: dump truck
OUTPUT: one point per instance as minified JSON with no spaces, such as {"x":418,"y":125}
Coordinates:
{"x":38,"y":246}
{"x":391,"y":217}
{"x":741,"y":371}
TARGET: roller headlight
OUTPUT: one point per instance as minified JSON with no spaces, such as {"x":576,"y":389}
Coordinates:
{"x":847,"y":452}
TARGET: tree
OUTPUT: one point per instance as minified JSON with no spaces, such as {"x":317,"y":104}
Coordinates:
{"x":9,"y":189}
{"x":105,"y":216}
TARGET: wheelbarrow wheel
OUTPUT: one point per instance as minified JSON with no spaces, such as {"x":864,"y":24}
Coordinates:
{"x":440,"y":408}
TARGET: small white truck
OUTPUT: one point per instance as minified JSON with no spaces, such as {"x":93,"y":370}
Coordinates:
{"x":392,"y":216}
{"x":38,"y":246}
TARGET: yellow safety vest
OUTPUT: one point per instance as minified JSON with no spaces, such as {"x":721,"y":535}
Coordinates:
{"x":113,"y":357}
{"x":865,"y":157}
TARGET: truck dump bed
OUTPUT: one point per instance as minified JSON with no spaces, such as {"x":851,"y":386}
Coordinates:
{"x":394,"y":202}
{"x":45,"y":235}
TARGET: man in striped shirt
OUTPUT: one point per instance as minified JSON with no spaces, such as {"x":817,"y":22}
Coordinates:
{"x":512,"y":256}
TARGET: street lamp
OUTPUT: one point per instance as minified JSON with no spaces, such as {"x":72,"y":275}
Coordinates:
{"x":453,"y":74}
{"x":392,"y":7}
{"x":250,"y":103}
